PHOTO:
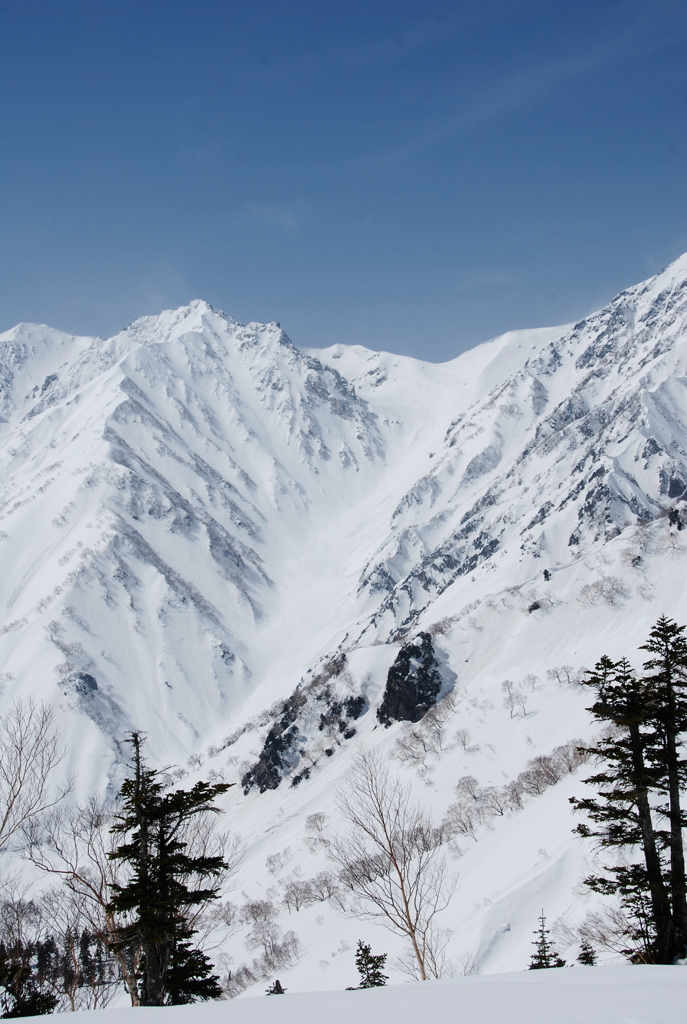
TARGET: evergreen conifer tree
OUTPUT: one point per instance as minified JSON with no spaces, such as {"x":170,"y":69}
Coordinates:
{"x":370,"y":967}
{"x":545,"y":954}
{"x":157,"y":899}
{"x":644,"y":764}
{"x":276,"y":990}
{"x":21,"y":995}
{"x":587,"y":954}
{"x":622,"y":810}
{"x":666,"y":680}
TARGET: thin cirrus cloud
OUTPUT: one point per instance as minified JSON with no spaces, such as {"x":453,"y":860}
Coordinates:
{"x":273,"y":215}
{"x":521,"y":89}
{"x":397,"y":44}
{"x":473,"y":282}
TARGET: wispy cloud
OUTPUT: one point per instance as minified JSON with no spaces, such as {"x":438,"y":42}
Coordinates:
{"x":474,"y":282}
{"x":527,"y":87}
{"x":443,"y":23}
{"x":273,"y":215}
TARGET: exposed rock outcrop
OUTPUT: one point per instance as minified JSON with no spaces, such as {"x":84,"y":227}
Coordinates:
{"x":412,"y":684}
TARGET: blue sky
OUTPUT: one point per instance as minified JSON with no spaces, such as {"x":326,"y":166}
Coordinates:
{"x":417,"y":177}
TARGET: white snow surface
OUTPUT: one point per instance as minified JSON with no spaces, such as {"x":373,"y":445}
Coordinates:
{"x":199,"y":520}
{"x":605,"y":995}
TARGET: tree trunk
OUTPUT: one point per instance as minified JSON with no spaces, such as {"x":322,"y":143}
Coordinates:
{"x":660,"y":904}
{"x":677,"y":853}
{"x":155,"y":973}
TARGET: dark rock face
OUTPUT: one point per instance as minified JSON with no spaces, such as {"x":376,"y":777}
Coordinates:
{"x":413,"y":683}
{"x":278,"y":752}
{"x":287,"y":741}
{"x":85,"y":684}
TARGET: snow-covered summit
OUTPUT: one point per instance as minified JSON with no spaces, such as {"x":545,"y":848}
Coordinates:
{"x":200,"y":520}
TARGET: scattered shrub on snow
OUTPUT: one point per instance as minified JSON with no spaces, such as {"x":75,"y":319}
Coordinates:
{"x":476,"y":805}
{"x":609,"y":589}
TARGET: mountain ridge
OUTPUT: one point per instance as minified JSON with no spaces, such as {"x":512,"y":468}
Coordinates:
{"x":208,"y":532}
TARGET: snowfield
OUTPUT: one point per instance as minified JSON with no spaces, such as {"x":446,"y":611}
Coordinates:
{"x":217,"y":538}
{"x":608,"y":995}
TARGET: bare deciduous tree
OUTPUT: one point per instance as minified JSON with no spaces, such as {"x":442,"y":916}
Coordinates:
{"x":477,"y":805}
{"x":74,"y":844}
{"x":427,"y":737}
{"x":414,"y":747}
{"x":608,"y":928}
{"x":565,"y":675}
{"x":390,"y":858}
{"x":514,"y":700}
{"x":325,"y":886}
{"x":463,"y":818}
{"x":314,"y":823}
{"x":203,"y":839}
{"x":609,"y":589}
{"x":278,"y":952}
{"x":297,"y":894}
{"x":29,"y":752}
{"x":86,"y":982}
{"x":436,"y":718}
{"x":49,"y":935}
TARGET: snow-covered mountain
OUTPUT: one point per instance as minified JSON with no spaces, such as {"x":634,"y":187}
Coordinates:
{"x":225,"y":541}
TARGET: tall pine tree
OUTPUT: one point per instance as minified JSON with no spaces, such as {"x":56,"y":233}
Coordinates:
{"x":622,"y":811}
{"x":666,"y":679}
{"x":158,"y":897}
{"x":639,"y":785}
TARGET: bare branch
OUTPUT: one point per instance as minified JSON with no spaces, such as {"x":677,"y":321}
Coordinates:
{"x":29,"y":752}
{"x":390,"y":859}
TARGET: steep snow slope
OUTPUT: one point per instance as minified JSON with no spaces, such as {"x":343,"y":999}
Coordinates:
{"x":188,"y":509}
{"x":218,"y":538}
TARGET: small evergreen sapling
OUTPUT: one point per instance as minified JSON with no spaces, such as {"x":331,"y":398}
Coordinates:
{"x":276,"y":990}
{"x":369,"y":967}
{"x":587,"y":954}
{"x":545,"y":954}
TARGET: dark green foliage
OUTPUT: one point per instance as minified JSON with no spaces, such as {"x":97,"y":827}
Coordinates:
{"x":21,"y":995}
{"x":370,"y":967}
{"x":36,"y":972}
{"x":666,"y":681}
{"x":413,"y":683}
{"x":545,"y":954}
{"x":189,"y":976}
{"x":638,"y":792}
{"x":587,"y":954}
{"x":276,"y":990}
{"x":158,"y":898}
{"x":622,"y":809}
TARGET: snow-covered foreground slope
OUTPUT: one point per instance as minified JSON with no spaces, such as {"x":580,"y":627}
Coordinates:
{"x":217,"y":538}
{"x":609,"y":995}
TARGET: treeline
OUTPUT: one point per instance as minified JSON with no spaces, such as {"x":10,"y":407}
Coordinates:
{"x":43,"y":968}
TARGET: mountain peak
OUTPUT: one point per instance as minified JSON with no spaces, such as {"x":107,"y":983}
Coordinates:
{"x":223,"y":541}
